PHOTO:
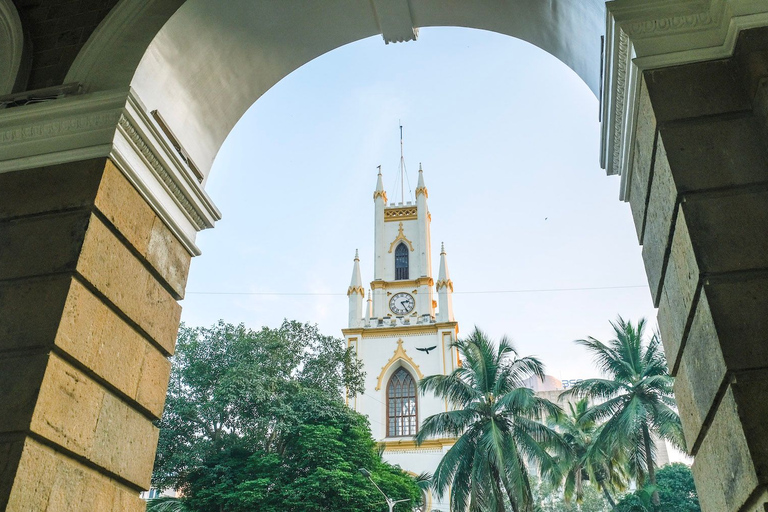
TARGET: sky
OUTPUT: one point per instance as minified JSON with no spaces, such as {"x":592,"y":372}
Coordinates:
{"x":508,"y":138}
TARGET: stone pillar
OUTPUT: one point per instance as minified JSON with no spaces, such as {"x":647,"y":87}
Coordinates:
{"x":699,"y":197}
{"x":89,"y":283}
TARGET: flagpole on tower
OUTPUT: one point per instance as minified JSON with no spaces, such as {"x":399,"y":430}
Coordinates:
{"x":402,"y":167}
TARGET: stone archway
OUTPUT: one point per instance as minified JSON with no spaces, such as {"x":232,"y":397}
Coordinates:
{"x":102,"y":193}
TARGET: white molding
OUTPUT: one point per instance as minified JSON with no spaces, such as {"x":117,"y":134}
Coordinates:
{"x":395,"y":20}
{"x":655,"y":34}
{"x":110,"y":124}
{"x":11,"y":45}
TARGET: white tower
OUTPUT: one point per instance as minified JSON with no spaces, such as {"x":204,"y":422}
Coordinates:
{"x":399,"y":336}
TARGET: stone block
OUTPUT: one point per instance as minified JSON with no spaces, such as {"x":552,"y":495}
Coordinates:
{"x":113,"y":270}
{"x":122,"y":205}
{"x":699,"y":89}
{"x":681,"y":281}
{"x":749,"y":391}
{"x":723,"y":469}
{"x":662,"y":204}
{"x":103,"y":342}
{"x":47,"y":189}
{"x":645,"y":138}
{"x":48,"y":480}
{"x":41,"y":245}
{"x":716,"y":152}
{"x":30,"y":310}
{"x":740,"y":315}
{"x":728,"y":230}
{"x":701,"y":374}
{"x":76,"y":413}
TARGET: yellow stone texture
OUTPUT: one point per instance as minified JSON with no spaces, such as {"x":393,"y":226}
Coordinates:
{"x":50,"y":481}
{"x":79,"y":415}
{"x":113,"y":270}
{"x":97,"y":337}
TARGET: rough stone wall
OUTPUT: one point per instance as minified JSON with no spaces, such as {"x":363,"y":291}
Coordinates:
{"x":700,"y":203}
{"x":89,"y":283}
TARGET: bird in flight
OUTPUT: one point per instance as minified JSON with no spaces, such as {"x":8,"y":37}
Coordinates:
{"x":427,"y":349}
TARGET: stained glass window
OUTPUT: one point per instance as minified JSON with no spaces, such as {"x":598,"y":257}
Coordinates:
{"x":401,"y":405}
{"x":401,"y":262}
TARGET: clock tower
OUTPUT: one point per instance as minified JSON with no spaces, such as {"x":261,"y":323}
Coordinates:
{"x":401,"y":333}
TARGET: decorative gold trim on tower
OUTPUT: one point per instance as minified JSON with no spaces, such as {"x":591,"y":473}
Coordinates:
{"x":397,"y":356}
{"x":382,"y":194}
{"x":422,"y":190}
{"x":444,"y":282}
{"x":356,"y":289}
{"x":400,"y":213}
{"x":400,"y":236}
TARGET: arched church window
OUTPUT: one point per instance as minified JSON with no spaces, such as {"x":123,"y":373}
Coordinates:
{"x":401,"y":262}
{"x":401,"y":404}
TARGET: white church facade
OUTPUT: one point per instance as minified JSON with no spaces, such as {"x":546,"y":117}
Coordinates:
{"x":402,"y":333}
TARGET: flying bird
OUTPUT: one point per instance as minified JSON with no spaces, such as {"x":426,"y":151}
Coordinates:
{"x":427,"y":349}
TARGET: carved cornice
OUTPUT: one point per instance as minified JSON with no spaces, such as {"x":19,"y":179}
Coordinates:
{"x":162,"y":173}
{"x":654,"y":34}
{"x":112,"y":124}
{"x":422,"y":281}
{"x":399,"y":355}
{"x":400,"y":237}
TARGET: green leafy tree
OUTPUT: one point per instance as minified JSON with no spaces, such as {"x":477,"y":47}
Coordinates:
{"x":635,"y":400}
{"x":677,"y":493}
{"x":585,"y":461}
{"x":254,"y":421}
{"x":317,"y":470}
{"x":231,"y":386}
{"x":495,"y":419}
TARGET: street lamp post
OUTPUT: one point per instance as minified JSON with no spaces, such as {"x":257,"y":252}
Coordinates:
{"x":390,"y":502}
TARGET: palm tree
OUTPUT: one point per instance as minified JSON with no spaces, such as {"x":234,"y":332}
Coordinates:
{"x":585,"y":460}
{"x":635,"y":400}
{"x":495,"y":419}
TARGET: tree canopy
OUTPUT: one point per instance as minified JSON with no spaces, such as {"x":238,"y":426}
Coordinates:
{"x":254,"y":420}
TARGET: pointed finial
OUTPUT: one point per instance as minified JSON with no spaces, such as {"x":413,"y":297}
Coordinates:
{"x":421,"y":188}
{"x":442,"y":247}
{"x":357,"y":257}
{"x":379,"y":192}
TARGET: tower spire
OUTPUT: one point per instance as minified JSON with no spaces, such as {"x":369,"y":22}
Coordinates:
{"x":444,"y":287}
{"x":356,"y":294}
{"x":421,"y":188}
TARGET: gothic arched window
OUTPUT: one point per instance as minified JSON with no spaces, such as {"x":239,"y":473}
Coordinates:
{"x":401,"y":262}
{"x":401,"y":404}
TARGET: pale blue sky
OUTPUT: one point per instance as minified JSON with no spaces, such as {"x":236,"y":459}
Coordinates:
{"x":509,"y":140}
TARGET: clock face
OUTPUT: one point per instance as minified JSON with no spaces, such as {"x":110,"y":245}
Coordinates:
{"x":402,"y":303}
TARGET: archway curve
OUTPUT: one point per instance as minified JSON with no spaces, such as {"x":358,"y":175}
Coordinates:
{"x":202,"y":66}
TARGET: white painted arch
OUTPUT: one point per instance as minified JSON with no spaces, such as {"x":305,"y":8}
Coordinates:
{"x":202,"y":65}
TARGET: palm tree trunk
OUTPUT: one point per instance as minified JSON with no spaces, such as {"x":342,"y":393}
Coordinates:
{"x":649,"y":463}
{"x":601,"y":485}
{"x":609,"y":498}
{"x":497,"y":490}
